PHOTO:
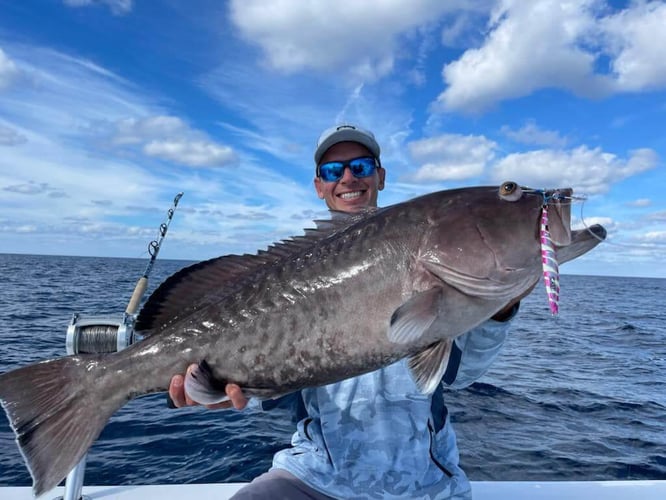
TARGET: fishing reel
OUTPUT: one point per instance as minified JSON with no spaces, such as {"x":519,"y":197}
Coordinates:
{"x":99,"y":334}
{"x":106,"y":334}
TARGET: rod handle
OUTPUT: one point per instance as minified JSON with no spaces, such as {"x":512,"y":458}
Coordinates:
{"x":139,"y":290}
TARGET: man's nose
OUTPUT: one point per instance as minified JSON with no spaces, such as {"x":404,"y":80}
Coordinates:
{"x":347,"y":175}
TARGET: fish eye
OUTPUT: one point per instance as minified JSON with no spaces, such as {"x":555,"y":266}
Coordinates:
{"x":510,"y":191}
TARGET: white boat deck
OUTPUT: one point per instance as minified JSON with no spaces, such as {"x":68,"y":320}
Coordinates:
{"x":482,"y":490}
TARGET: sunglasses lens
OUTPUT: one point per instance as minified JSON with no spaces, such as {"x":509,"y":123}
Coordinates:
{"x":362,"y":167}
{"x":359,"y":167}
{"x":332,"y":171}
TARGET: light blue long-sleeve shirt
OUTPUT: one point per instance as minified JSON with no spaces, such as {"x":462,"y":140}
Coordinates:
{"x":377,"y":436}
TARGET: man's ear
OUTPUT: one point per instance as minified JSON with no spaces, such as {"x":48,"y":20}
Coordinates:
{"x":382,"y":177}
{"x":317,"y":184}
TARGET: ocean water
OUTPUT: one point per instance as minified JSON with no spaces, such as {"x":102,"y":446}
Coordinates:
{"x":580,"y":396}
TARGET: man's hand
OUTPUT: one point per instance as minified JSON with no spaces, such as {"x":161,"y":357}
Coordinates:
{"x":507,"y":313}
{"x":177,"y":394}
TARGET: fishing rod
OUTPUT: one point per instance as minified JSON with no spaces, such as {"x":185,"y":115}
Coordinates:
{"x":106,"y":334}
{"x":153,"y":249}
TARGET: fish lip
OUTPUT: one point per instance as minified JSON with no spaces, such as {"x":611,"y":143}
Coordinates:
{"x":582,"y":241}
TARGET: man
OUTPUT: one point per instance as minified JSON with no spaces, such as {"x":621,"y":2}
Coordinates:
{"x":376,"y":435}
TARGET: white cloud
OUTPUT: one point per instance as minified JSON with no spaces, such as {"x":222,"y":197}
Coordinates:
{"x":589,"y":171}
{"x":34,"y":188}
{"x":451,"y":157}
{"x":553,"y":44}
{"x":9,"y":72}
{"x":654,"y":237}
{"x":641,"y":202}
{"x":361,"y":38}
{"x":10,"y":137}
{"x":192,"y":153}
{"x":636,"y":38}
{"x":531,"y":134}
{"x":118,"y":7}
{"x":531,"y":45}
{"x":170,"y":138}
{"x":138,"y":130}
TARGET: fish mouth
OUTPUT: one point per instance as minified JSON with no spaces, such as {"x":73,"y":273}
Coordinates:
{"x":582,"y":241}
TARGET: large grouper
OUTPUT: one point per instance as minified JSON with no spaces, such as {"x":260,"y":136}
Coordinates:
{"x":353,"y":295}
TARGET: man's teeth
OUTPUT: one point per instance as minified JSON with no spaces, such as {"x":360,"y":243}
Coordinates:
{"x":349,"y":196}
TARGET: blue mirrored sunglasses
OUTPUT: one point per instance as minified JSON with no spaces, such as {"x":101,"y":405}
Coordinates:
{"x":333,"y":171}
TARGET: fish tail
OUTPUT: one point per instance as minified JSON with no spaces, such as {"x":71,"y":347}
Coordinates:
{"x":57,"y":411}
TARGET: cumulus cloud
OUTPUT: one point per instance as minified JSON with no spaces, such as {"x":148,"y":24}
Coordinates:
{"x":589,"y":171}
{"x":118,"y":7}
{"x":29,"y":188}
{"x":192,"y":153}
{"x":531,"y":45}
{"x":170,"y":138}
{"x":9,"y":72}
{"x":654,"y":237}
{"x":10,"y":137}
{"x":635,"y":39}
{"x":531,"y":134}
{"x":35,"y":188}
{"x":451,"y":157}
{"x":552,"y":44}
{"x":639,"y":203}
{"x":608,"y":223}
{"x":657,"y":217}
{"x":137,"y":130}
{"x":361,"y":37}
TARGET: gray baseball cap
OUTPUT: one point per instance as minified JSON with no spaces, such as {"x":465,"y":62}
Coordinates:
{"x":344,"y":133}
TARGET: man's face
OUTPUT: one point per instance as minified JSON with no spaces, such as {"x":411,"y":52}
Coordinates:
{"x":349,"y":194}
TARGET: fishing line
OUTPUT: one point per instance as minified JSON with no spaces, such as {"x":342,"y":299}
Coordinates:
{"x":582,"y":199}
{"x":606,"y":241}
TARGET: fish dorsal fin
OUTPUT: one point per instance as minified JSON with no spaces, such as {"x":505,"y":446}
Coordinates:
{"x":428,"y":366}
{"x":187,"y":287}
{"x":341,"y":220}
{"x":204,"y":282}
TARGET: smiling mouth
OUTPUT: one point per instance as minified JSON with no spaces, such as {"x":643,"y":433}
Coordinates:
{"x":351,"y":195}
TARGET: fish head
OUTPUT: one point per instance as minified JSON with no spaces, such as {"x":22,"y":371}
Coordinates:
{"x":485,"y":241}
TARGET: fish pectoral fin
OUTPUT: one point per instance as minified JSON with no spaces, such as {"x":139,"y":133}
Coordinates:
{"x":428,"y":366}
{"x":202,"y":386}
{"x":413,"y":318}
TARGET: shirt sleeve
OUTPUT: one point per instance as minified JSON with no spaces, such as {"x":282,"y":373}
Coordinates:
{"x":293,"y":403}
{"x":473,"y":352}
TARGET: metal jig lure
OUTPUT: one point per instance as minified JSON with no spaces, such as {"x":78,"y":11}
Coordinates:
{"x":551,"y":272}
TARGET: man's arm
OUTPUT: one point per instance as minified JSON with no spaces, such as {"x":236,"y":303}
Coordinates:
{"x":473,"y":352}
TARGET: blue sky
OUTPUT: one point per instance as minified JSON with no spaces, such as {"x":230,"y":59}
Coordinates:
{"x":108,"y":108}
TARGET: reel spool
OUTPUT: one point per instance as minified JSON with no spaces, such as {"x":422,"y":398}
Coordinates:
{"x":99,"y":334}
